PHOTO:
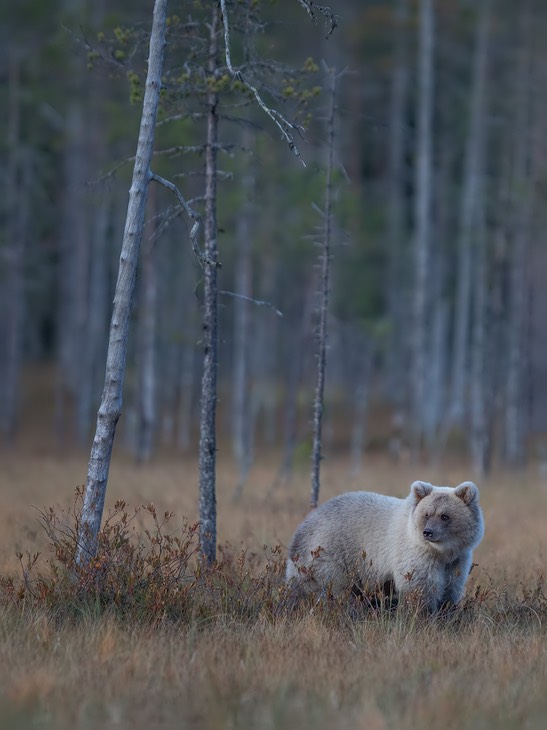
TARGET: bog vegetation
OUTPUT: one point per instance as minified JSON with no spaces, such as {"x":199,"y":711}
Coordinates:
{"x":146,"y":638}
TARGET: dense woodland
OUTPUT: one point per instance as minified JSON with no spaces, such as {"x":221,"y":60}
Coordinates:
{"x":436,"y":341}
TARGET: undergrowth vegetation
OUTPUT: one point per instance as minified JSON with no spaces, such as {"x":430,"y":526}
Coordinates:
{"x":145,"y":636}
{"x":148,"y":570}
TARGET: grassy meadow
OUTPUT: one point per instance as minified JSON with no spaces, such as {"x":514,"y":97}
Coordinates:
{"x":214,"y":665}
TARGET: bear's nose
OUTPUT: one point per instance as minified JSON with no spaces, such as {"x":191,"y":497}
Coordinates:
{"x":428,"y":534}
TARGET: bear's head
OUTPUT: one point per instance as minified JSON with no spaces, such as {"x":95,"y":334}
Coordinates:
{"x":448,"y":519}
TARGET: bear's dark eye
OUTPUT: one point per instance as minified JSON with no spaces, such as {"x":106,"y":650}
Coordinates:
{"x":445,"y":518}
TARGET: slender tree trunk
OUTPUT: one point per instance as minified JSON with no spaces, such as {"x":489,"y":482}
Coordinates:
{"x":481,"y":362}
{"x":207,"y":440}
{"x":434,"y":407}
{"x":438,"y":347}
{"x":468,"y":222}
{"x":301,"y":328}
{"x":170,"y":272}
{"x":264,"y":363}
{"x":94,"y":342}
{"x":360,"y":397}
{"x":516,"y":405}
{"x":497,"y":292}
{"x":146,"y":347}
{"x":323,"y":304}
{"x":422,"y":221}
{"x":397,"y":291}
{"x":186,"y":396}
{"x":480,"y":391}
{"x":12,"y":289}
{"x":94,"y":219}
{"x":77,"y":242}
{"x":111,"y":402}
{"x":241,"y":404}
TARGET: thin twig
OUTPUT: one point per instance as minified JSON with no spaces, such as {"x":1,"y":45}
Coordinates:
{"x":325,"y":11}
{"x":279,"y":120}
{"x":198,"y":148}
{"x":258,"y":302}
{"x":202,"y":258}
{"x":179,"y":117}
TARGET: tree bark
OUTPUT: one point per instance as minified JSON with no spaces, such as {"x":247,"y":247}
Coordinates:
{"x":323,"y":303}
{"x":207,"y":439}
{"x":111,"y":402}
{"x":422,"y":221}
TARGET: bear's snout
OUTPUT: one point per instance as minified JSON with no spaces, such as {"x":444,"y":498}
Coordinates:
{"x":429,"y":535}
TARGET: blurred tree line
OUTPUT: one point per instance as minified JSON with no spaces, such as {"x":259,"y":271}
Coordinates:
{"x":437,"y":293}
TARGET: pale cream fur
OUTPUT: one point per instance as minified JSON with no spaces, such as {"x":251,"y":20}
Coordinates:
{"x":364,"y":540}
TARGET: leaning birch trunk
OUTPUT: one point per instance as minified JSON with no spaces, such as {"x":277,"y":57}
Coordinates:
{"x":207,"y":435}
{"x":111,"y":401}
{"x":422,"y":221}
{"x":323,"y":306}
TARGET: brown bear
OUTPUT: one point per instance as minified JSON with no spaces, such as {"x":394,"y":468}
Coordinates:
{"x":361,"y":541}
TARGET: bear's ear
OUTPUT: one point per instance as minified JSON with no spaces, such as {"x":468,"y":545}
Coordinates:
{"x":467,"y":491}
{"x":419,"y":490}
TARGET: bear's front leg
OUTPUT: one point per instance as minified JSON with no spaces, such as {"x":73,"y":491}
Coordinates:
{"x":422,"y":587}
{"x":455,"y":580}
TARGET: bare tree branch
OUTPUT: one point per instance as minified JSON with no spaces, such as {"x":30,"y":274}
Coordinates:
{"x":286,"y":128}
{"x":202,"y":257}
{"x":258,"y":302}
{"x":312,"y":9}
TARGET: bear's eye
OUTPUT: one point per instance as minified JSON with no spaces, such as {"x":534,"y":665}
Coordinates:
{"x":445,"y":518}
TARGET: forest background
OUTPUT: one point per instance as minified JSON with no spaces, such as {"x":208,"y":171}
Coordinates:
{"x":436,"y":343}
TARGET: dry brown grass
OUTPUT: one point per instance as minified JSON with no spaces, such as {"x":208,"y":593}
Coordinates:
{"x":485,"y":667}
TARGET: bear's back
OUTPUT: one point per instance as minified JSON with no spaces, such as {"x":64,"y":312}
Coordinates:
{"x":347,"y":524}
